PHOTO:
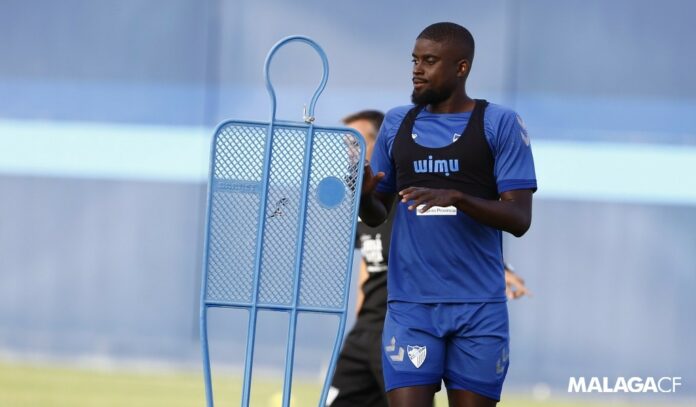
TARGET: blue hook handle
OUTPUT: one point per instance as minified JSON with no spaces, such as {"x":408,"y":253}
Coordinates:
{"x":308,"y":114}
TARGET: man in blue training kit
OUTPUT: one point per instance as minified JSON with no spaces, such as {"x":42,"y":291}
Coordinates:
{"x":464,"y":172}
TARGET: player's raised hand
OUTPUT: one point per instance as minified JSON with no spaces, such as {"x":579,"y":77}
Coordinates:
{"x":370,"y":180}
{"x":428,"y":197}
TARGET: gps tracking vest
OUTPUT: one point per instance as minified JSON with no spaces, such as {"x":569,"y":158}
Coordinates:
{"x":465,"y":165}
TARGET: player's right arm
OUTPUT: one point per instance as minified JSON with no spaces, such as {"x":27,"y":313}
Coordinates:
{"x":379,"y":183}
{"x":374,"y":204}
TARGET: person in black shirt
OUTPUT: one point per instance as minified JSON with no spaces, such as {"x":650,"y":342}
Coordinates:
{"x":358,"y":377}
{"x":358,"y":380}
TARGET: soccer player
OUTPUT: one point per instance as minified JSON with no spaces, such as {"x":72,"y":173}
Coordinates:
{"x":463,"y":171}
{"x":358,"y":378}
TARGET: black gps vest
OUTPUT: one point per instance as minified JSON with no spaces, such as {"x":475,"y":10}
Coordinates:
{"x":465,"y":165}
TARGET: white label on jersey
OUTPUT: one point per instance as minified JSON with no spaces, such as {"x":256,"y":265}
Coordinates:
{"x":333,"y":393}
{"x":371,"y":250}
{"x":437,"y":211}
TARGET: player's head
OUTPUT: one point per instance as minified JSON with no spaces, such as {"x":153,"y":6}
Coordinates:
{"x":367,"y":123}
{"x":442,"y":60}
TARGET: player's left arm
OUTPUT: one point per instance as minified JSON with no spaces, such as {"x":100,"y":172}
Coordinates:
{"x":512,"y":213}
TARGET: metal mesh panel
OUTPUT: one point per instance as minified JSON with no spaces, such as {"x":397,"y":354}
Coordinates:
{"x":234,"y":218}
{"x":282,"y":216}
{"x":235,"y":200}
{"x":328,"y":245}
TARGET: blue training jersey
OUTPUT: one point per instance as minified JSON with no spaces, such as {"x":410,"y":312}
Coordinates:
{"x":447,"y":256}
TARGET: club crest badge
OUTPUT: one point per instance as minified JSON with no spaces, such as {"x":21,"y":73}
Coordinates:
{"x":416,"y":354}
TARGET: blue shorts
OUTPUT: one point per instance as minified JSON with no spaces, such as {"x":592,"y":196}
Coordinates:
{"x":464,"y":344}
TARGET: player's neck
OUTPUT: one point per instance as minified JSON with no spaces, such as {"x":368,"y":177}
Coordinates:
{"x":458,"y":102}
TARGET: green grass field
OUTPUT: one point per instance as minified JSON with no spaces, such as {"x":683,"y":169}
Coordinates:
{"x":23,"y":385}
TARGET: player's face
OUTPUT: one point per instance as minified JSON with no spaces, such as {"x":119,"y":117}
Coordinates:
{"x":435,"y":72}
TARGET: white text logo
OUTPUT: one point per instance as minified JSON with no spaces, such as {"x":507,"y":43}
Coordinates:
{"x":624,"y":385}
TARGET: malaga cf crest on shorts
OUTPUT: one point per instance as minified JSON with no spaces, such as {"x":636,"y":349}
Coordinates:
{"x":416,"y":354}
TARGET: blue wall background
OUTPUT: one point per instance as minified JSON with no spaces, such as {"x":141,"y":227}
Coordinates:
{"x":618,"y":70}
{"x":108,"y":266}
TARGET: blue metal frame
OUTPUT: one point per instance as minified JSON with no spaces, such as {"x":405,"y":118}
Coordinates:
{"x":309,"y":115}
{"x":294,"y":308}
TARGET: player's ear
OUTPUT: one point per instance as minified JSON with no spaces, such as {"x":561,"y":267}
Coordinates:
{"x":463,"y":67}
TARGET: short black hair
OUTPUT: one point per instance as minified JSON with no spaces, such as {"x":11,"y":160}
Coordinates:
{"x":375,"y":117}
{"x":453,"y":33}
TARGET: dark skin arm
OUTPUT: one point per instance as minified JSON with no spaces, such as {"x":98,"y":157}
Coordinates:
{"x":374,"y":205}
{"x":512,"y":213}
